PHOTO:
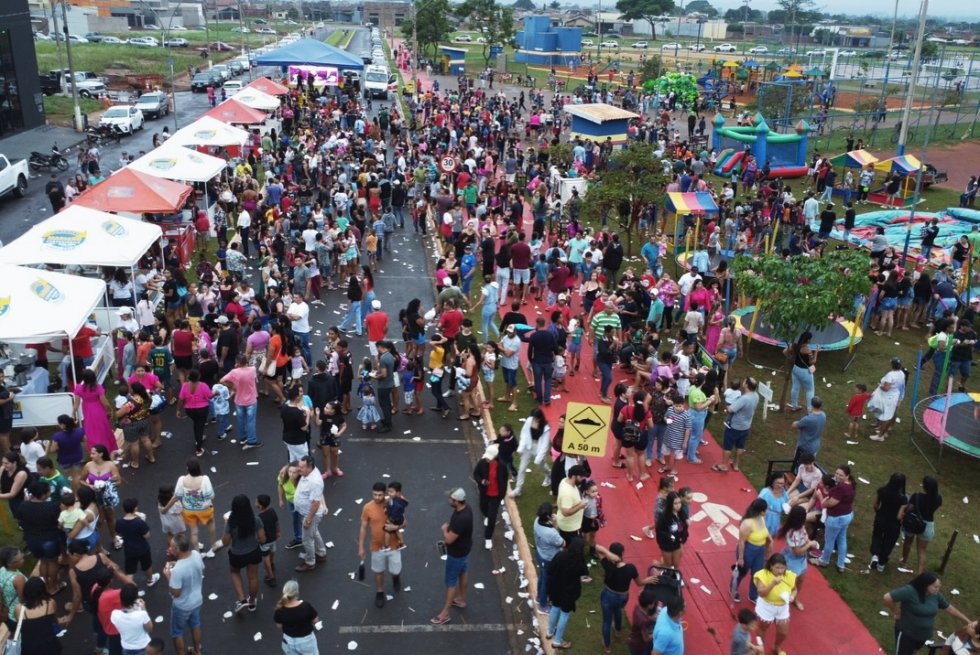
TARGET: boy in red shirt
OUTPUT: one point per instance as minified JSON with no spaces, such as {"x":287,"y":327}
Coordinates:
{"x":855,"y":409}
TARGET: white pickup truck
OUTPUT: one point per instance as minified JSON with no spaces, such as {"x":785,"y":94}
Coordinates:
{"x":13,"y":177}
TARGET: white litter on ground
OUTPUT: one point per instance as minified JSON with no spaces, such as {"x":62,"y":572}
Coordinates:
{"x":351,"y":645}
{"x":257,"y":636}
{"x":212,"y":596}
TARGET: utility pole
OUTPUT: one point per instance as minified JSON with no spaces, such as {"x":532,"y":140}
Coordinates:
{"x":415,"y":45}
{"x":57,"y":43}
{"x":916,"y":59}
{"x":207,"y":36}
{"x":71,"y":70}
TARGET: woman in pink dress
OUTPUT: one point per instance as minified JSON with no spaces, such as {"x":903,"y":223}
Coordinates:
{"x":95,"y":412}
{"x":715,"y":320}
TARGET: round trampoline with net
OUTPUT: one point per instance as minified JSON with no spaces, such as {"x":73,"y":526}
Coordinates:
{"x":838,"y":335}
{"x":953,"y":420}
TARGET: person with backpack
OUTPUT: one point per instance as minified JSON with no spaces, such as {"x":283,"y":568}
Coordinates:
{"x":918,"y":521}
{"x":635,"y":420}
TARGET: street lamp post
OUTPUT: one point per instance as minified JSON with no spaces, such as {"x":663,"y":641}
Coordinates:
{"x":916,"y":59}
{"x":415,"y":46}
{"x":207,"y":36}
{"x":701,"y":21}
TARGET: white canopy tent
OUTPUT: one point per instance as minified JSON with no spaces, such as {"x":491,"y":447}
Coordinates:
{"x":210,"y":132}
{"x":257,"y":99}
{"x":36,"y":304}
{"x":80,"y":236}
{"x":175,"y":162}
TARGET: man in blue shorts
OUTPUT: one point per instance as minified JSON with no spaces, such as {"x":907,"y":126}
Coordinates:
{"x":457,"y":535}
{"x":737,"y":425}
{"x":184,"y":579}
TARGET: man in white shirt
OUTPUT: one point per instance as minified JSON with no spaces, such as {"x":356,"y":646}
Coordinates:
{"x":243,"y":224}
{"x":686,"y":282}
{"x":299,"y":313}
{"x":811,"y":207}
{"x":310,"y":505}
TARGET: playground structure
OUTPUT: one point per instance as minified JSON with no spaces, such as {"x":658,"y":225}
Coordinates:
{"x":544,"y":44}
{"x":785,"y":153}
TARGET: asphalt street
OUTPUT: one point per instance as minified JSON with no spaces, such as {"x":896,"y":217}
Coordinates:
{"x":429,"y":455}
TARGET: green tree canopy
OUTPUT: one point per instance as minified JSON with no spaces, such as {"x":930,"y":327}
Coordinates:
{"x":496,"y":21}
{"x":633,"y":180}
{"x":648,"y":10}
{"x":527,"y":5}
{"x":700,"y":7}
{"x":433,"y":23}
{"x":738,"y":15}
{"x":803,"y":293}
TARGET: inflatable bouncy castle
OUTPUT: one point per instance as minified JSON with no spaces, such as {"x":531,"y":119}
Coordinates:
{"x":785,"y":153}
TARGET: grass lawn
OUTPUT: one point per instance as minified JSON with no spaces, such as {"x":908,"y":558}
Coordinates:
{"x":340,"y":38}
{"x":61,"y":110}
{"x":871,"y":461}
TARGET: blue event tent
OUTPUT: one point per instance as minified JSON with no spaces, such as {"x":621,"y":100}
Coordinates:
{"x":310,"y":52}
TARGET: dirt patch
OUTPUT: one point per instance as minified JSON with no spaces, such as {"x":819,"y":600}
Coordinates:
{"x":848,"y":99}
{"x":960,"y":161}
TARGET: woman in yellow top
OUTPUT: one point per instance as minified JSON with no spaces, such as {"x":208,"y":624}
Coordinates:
{"x":777,"y":590}
{"x":436,"y":361}
{"x":754,"y":544}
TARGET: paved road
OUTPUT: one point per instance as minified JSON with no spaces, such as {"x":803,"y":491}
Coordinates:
{"x":429,"y":455}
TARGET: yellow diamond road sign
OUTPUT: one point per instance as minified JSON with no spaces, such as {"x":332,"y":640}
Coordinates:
{"x":586,"y":429}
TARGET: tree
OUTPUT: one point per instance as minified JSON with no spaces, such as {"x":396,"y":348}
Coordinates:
{"x":526,"y":5}
{"x":496,"y":21}
{"x":433,"y":23}
{"x":651,"y":68}
{"x":648,"y":10}
{"x":700,"y":7}
{"x":795,"y":12}
{"x":795,"y":294}
{"x":633,"y":180}
{"x":930,"y":49}
{"x":555,"y":5}
{"x":738,"y":15}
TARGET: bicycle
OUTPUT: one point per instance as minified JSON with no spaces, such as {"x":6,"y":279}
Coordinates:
{"x":909,"y":136}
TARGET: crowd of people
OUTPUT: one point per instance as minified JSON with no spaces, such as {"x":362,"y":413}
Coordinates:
{"x":315,"y":208}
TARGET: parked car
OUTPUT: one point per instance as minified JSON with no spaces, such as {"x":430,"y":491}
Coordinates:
{"x":114,"y":40}
{"x":41,"y":36}
{"x":643,"y":45}
{"x":153,"y":104}
{"x":126,"y":118}
{"x":13,"y":177}
{"x":260,"y":21}
{"x":759,"y":50}
{"x":671,"y":46}
{"x":696,"y":47}
{"x":144,"y":42}
{"x":89,"y":84}
{"x":175,"y":42}
{"x":244,"y":61}
{"x":178,"y":28}
{"x":220,"y":46}
{"x":241,"y":30}
{"x":786,"y":51}
{"x":77,"y":39}
{"x":610,"y":44}
{"x":235,"y":67}
{"x":222,"y":70}
{"x":94,"y":37}
{"x":725,"y":47}
{"x":266,"y":30}
{"x":464,"y":38}
{"x":232,"y":87}
{"x":590,"y":34}
{"x":588,"y":42}
{"x":50,"y":84}
{"x":847,"y":53}
{"x":815,"y":53}
{"x":873,"y":54}
{"x":202,"y":81}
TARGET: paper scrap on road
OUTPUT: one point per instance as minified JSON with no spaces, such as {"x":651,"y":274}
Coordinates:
{"x":901,"y":569}
{"x":212,"y":596}
{"x":329,"y":544}
{"x":608,"y":485}
{"x":335,"y":605}
{"x":226,"y":615}
{"x":478,"y":585}
{"x":705,"y":589}
{"x":883,"y":613}
{"x":976,"y":538}
{"x":850,"y":463}
{"x":414,"y":439}
{"x":214,"y":469}
{"x":955,"y":592}
{"x":407,"y":589}
{"x":635,"y":538}
{"x":251,"y":463}
{"x":358,"y":501}
{"x":863,"y":481}
{"x":159,"y":619}
{"x":639,"y":485}
{"x":695,"y":581}
{"x":966,"y":500}
{"x":339,"y":510}
{"x":851,"y":443}
{"x":781,"y":443}
{"x":509,"y":600}
{"x":351,"y":645}
{"x":385,"y":475}
{"x":407,"y":432}
{"x":257,"y":636}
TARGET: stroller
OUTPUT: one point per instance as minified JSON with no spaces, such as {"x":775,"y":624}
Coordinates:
{"x":668,"y":586}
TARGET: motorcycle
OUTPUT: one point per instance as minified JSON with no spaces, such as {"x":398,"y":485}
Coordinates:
{"x":98,"y":134}
{"x":39,"y":160}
